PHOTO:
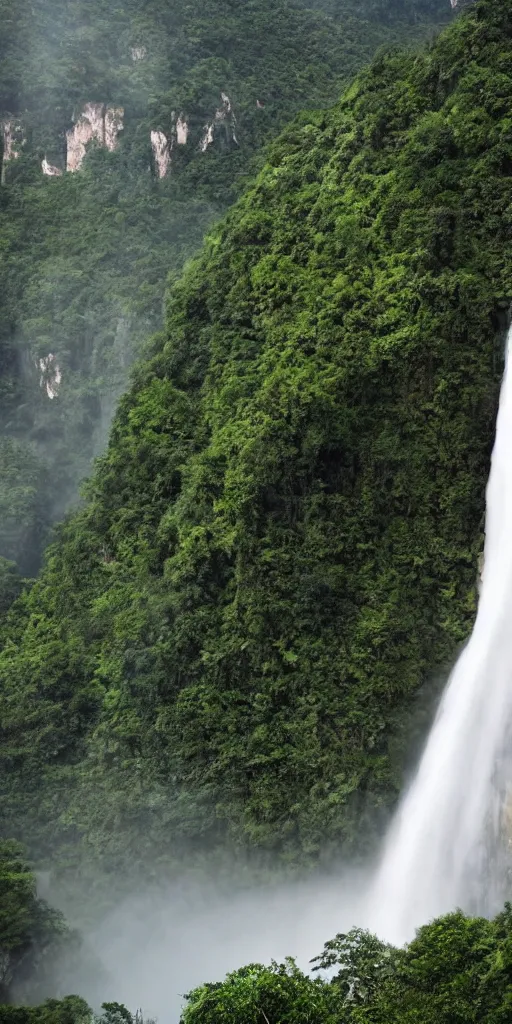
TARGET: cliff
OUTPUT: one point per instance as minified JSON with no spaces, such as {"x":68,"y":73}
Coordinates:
{"x":127,"y":130}
{"x":279,"y":548}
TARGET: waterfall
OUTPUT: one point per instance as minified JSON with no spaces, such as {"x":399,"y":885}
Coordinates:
{"x":443,"y":847}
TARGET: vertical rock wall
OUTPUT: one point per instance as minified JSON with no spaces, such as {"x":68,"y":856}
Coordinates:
{"x":161,"y":152}
{"x":13,"y":139}
{"x":103,"y":124}
{"x":50,"y":170}
{"x":96,"y":122}
{"x":51,"y":376}
{"x":224,"y":115}
{"x":163,"y":146}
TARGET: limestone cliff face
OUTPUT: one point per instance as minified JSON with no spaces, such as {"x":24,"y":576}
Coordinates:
{"x":222,"y":123}
{"x":225,"y":117}
{"x":50,"y":375}
{"x":13,"y":140}
{"x":161,"y":152}
{"x":50,"y":170}
{"x":181,"y":131}
{"x":102,"y":124}
{"x":96,"y":122}
{"x":163,"y":146}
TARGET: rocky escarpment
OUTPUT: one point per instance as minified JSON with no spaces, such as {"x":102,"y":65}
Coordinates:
{"x":94,"y":106}
{"x":13,"y":138}
{"x":279,"y":545}
{"x":96,"y":123}
{"x":101,"y":125}
{"x":163,"y":145}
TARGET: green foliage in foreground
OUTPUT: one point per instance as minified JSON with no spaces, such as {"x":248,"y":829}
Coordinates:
{"x":70,"y":1010}
{"x":33,"y":936}
{"x":458,"y":970}
{"x":280,"y":545}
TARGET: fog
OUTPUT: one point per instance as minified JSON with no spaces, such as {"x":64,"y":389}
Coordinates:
{"x":158,"y":945}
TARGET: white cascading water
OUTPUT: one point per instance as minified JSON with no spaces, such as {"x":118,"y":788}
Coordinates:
{"x":441,"y":849}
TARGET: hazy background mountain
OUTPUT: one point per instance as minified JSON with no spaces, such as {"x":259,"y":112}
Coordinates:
{"x":85,"y":256}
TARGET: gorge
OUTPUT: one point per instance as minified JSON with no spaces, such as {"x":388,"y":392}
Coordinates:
{"x":219,"y":664}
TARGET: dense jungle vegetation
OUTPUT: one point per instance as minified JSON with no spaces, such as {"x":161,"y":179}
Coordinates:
{"x":387,"y":12}
{"x":456,"y":971}
{"x":280,"y":545}
{"x":84,"y":257}
{"x":278,"y":550}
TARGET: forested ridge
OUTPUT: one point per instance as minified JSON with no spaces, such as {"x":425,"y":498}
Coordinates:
{"x":85,"y":256}
{"x":279,"y":550}
{"x":280,"y":545}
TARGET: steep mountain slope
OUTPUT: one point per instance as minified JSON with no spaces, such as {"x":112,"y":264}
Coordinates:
{"x":171,"y":103}
{"x":388,"y":12}
{"x":280,"y":545}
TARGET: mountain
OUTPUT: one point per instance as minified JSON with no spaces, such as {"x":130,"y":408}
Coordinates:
{"x":387,"y":12}
{"x":127,"y":130}
{"x":280,"y":547}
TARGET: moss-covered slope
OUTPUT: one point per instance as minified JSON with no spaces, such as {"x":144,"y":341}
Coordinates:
{"x":280,"y":545}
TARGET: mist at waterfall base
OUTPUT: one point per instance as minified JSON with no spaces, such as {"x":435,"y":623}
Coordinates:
{"x":159,"y":944}
{"x":444,"y":849}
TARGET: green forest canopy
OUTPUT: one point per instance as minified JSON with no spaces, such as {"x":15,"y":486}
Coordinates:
{"x":456,"y":971}
{"x":84,"y":257}
{"x":280,"y":545}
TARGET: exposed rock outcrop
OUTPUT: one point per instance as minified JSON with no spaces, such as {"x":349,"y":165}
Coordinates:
{"x":13,"y":139}
{"x":162,"y":146}
{"x":223,"y":115}
{"x":226,"y":113}
{"x":206,"y":138}
{"x":161,"y":152}
{"x":51,"y":376}
{"x":181,"y":131}
{"x":50,"y":169}
{"x":96,"y":122}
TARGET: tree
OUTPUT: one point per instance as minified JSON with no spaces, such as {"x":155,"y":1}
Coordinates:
{"x":33,"y":936}
{"x":364,"y":964}
{"x":278,"y":994}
